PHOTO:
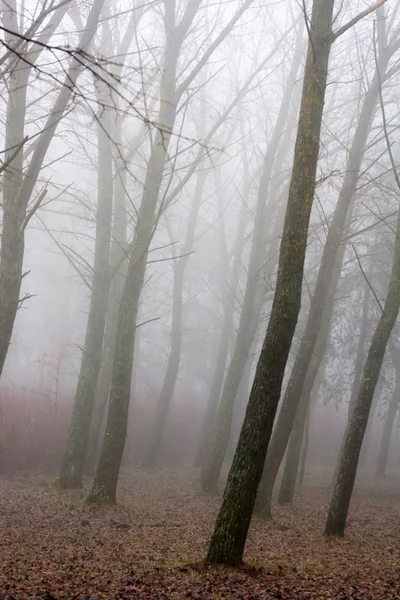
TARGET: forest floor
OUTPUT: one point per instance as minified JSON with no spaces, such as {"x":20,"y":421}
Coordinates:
{"x":151,"y":544}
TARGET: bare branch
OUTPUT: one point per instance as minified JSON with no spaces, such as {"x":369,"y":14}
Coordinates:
{"x":358,"y":18}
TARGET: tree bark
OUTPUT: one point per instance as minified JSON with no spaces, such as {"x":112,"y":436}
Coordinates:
{"x":337,"y":514}
{"x":119,"y":240}
{"x":230,"y":533}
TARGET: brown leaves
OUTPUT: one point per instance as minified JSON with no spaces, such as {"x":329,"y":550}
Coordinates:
{"x":151,"y":545}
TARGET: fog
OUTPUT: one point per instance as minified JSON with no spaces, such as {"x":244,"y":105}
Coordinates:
{"x":199,"y":265}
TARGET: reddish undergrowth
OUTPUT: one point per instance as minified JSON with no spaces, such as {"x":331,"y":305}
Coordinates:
{"x":151,"y":544}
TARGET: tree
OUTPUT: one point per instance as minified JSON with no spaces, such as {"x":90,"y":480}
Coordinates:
{"x":106,"y":478}
{"x":229,"y":536}
{"x":316,"y":332}
{"x":19,"y":184}
{"x":339,"y":506}
{"x":390,"y":417}
{"x":255,"y":288}
{"x":71,"y":470}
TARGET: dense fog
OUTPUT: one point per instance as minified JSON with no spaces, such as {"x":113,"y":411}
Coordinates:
{"x":200,"y":255}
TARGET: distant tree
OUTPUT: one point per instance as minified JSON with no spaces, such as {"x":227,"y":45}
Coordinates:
{"x":151,"y":207}
{"x":255,"y":285}
{"x":350,"y":453}
{"x":106,"y":85}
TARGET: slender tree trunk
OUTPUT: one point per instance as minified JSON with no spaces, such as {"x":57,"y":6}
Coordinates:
{"x":71,"y":470}
{"x":229,"y":291}
{"x":299,"y":435}
{"x":17,"y":186}
{"x":304,"y":450}
{"x":322,"y":300}
{"x":387,"y":430}
{"x":253,"y":297}
{"x":105,"y":483}
{"x":119,"y":240}
{"x":340,"y":502}
{"x":358,"y":368}
{"x":179,"y":266}
{"x":230,"y":533}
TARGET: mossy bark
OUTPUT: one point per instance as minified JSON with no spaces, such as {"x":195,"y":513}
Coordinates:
{"x":339,"y":506}
{"x":230,"y":533}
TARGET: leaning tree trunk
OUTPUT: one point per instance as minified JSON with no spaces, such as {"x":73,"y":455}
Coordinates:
{"x":328,"y":277}
{"x":230,"y":533}
{"x":388,"y":427}
{"x":17,"y":186}
{"x":71,"y":471}
{"x":340,"y":502}
{"x":253,"y":296}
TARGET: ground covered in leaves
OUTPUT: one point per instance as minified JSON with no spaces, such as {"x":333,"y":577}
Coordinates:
{"x":151,"y":544}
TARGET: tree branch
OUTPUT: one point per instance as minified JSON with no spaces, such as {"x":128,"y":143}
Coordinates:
{"x":359,"y":17}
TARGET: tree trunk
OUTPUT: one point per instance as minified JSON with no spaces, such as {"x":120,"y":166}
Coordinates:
{"x":299,"y":435}
{"x":340,"y":502}
{"x":17,"y":186}
{"x":105,"y":483}
{"x":253,"y":296}
{"x":71,"y":470}
{"x":230,"y":533}
{"x":358,"y":369}
{"x":322,"y":300}
{"x":179,"y":266}
{"x":119,"y":239}
{"x":387,"y":430}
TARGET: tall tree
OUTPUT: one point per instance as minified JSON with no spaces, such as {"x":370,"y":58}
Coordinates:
{"x":19,"y":184}
{"x":350,"y":453}
{"x":230,"y":533}
{"x":317,"y":328}
{"x":71,"y":470}
{"x":105,"y":483}
{"x":255,"y":288}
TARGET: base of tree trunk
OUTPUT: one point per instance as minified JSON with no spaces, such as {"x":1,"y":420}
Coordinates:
{"x":68,"y":479}
{"x":99,"y":494}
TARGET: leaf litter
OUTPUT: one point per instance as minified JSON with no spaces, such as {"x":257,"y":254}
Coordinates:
{"x":151,"y":544}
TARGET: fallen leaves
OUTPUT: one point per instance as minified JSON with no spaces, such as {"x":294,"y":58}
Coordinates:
{"x":151,"y":544}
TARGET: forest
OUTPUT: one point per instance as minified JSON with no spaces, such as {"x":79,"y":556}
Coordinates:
{"x":199,"y":299}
